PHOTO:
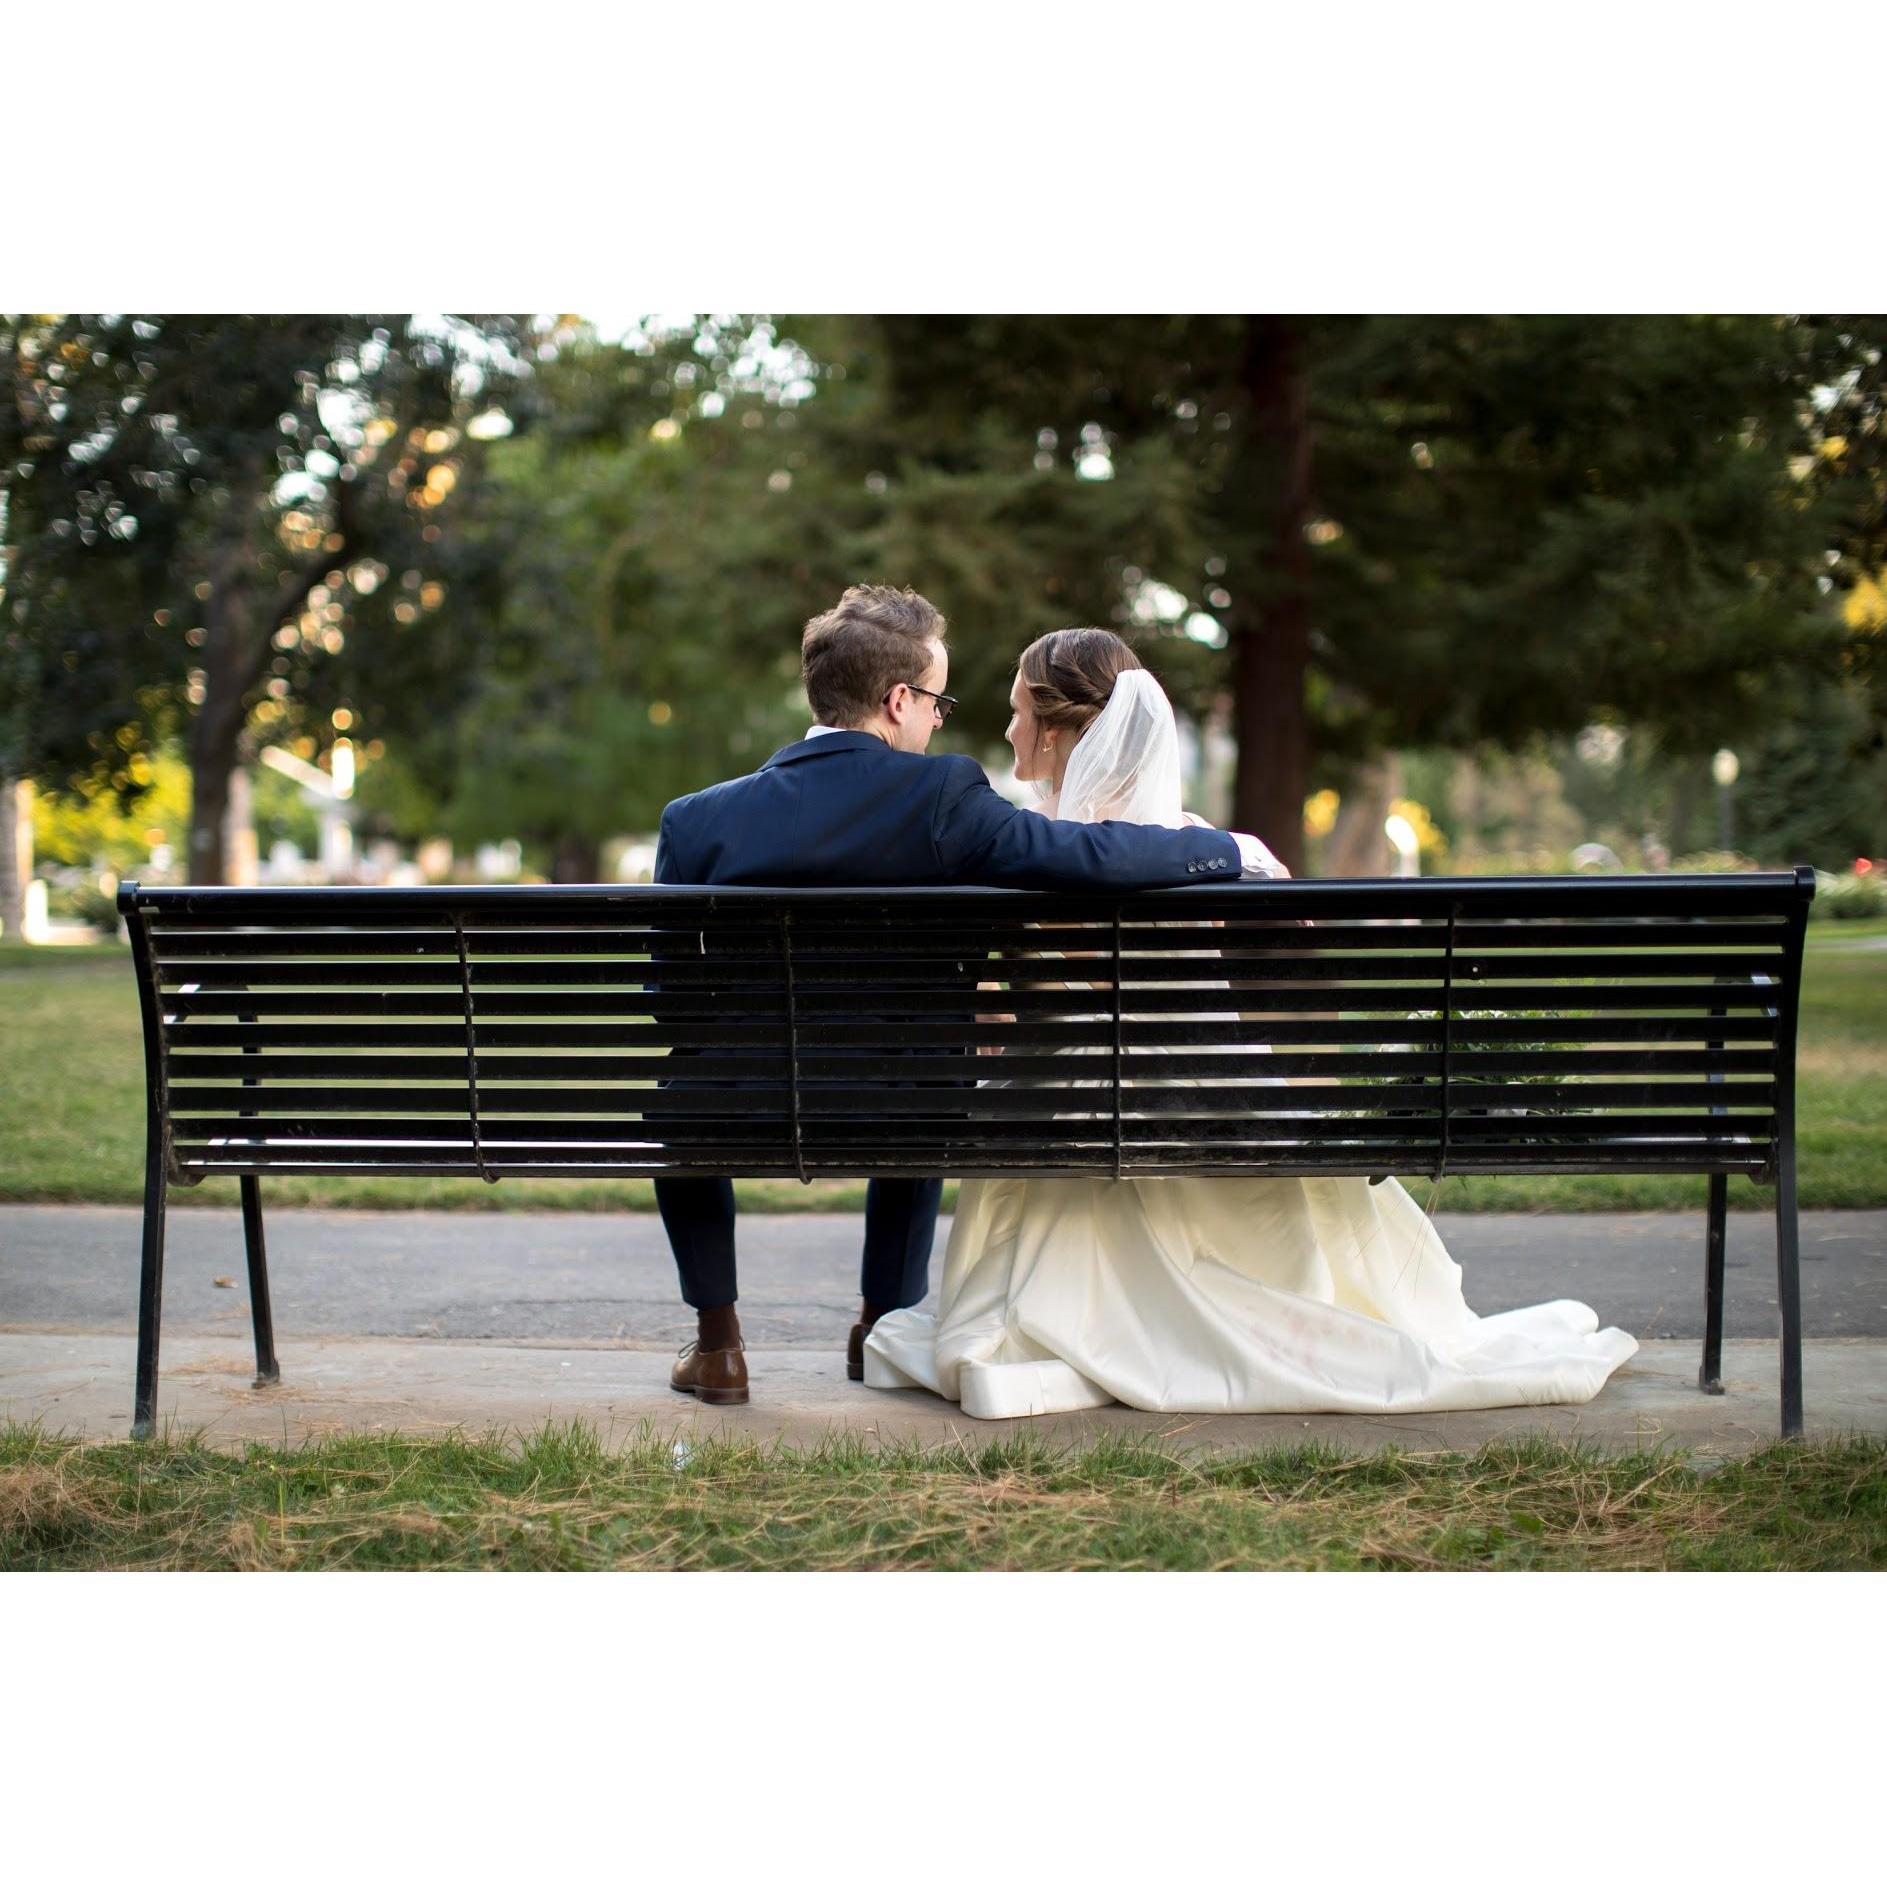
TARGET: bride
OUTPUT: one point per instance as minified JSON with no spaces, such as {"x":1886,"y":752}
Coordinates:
{"x":1203,"y":1295}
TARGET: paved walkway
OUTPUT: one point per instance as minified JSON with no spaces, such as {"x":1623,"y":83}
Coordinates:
{"x":482,"y":1320}
{"x":607,"y":1277}
{"x":81,"y":1384}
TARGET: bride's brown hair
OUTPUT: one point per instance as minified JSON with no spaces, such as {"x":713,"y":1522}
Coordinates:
{"x":1070,"y":673}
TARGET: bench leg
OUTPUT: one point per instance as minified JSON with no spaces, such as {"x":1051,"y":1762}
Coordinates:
{"x":1710,"y":1375}
{"x":1789,"y":1290}
{"x":150,"y":1303}
{"x":267,"y":1369}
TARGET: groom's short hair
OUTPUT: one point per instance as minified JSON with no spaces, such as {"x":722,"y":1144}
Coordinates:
{"x":859,"y":650}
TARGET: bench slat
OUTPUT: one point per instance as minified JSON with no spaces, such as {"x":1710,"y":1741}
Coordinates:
{"x":900,"y":938}
{"x":854,"y":948}
{"x":1279,"y":994}
{"x":1569,"y":1065}
{"x":1037,"y":1159}
{"x":863,"y":976}
{"x":722,"y":1136}
{"x":1671,"y":895}
{"x":837,"y":1033}
{"x":1014,"y":1153}
{"x":1148,"y":1092}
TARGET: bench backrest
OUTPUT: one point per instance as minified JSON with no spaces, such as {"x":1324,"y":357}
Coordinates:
{"x":1426,"y":1026}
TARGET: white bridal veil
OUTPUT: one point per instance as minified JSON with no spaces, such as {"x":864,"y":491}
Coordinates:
{"x":1126,"y":766}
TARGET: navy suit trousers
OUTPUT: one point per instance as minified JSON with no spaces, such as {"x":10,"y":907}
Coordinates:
{"x":900,"y":1225}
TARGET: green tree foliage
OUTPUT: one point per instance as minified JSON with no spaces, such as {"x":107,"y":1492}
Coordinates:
{"x":671,"y":512}
{"x":1410,"y":529}
{"x":1847,"y":468}
{"x":1351,"y":534}
{"x":1813,"y":783}
{"x":648,"y":581}
{"x":1820,"y":780}
{"x":208,"y":521}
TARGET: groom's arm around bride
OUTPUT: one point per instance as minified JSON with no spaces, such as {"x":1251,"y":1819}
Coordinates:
{"x":860,"y":802}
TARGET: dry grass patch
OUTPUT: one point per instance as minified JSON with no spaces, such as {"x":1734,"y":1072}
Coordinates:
{"x":45,"y":1498}
{"x":561,"y":1500}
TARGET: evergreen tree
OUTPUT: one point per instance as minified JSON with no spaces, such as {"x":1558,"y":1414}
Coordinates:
{"x":1408,"y":529}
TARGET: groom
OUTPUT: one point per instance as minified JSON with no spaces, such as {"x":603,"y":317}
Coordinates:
{"x":858,"y":802}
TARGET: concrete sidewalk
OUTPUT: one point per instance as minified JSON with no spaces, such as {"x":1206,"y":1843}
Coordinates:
{"x":435,"y":1320}
{"x":80,"y":1384}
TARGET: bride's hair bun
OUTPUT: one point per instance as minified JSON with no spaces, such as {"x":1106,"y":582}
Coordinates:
{"x":1070,"y":674}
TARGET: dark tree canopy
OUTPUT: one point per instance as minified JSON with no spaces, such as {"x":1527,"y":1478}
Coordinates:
{"x":226,"y":526}
{"x":1410,"y":529}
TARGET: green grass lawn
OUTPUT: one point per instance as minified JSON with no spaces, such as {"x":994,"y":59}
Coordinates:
{"x":561,"y":1500}
{"x":72,"y":1109}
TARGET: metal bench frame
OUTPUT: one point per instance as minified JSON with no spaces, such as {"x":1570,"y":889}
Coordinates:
{"x":827,"y":1033}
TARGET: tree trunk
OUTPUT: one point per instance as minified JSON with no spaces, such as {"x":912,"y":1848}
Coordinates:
{"x":214,"y":738}
{"x":13,"y":865}
{"x":1358,"y":847}
{"x":1271,"y":655}
{"x":577,"y":861}
{"x":231,"y":665}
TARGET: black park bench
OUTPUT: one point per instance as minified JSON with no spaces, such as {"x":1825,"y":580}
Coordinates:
{"x":1416,"y":1027}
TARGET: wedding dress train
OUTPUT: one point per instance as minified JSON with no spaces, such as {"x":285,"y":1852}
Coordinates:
{"x":1213,"y":1295}
{"x":1221,"y":1296}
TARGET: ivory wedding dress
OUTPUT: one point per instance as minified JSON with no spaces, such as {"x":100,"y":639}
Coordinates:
{"x":1213,"y":1295}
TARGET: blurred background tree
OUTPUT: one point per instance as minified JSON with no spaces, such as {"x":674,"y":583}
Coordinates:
{"x":649,"y":573}
{"x":202,"y":513}
{"x":1818,"y":785}
{"x":1477,"y":567}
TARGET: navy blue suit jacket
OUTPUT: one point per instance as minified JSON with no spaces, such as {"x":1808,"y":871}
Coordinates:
{"x":849,"y":809}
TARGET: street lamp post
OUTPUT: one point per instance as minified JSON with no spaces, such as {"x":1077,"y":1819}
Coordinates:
{"x":1724,"y":769}
{"x":1404,"y":843}
{"x":330,"y":793}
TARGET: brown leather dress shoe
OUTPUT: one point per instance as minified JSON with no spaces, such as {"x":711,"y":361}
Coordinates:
{"x":868,"y":1314}
{"x":717,"y":1376}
